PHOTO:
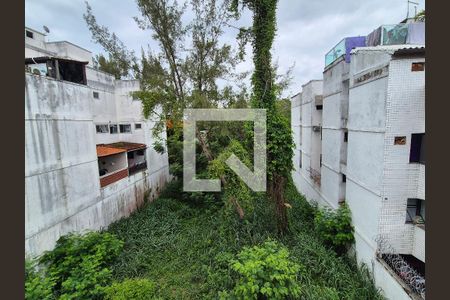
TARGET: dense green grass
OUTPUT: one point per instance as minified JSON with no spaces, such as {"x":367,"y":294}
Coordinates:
{"x":183,"y":244}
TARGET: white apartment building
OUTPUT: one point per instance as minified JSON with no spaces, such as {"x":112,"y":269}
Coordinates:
{"x":89,"y":159}
{"x":373,"y":134}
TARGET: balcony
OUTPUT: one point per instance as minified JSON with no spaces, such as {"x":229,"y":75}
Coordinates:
{"x":343,"y":48}
{"x":398,"y":34}
{"x":119,"y":160}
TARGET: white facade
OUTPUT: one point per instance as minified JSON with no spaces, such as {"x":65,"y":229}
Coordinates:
{"x":62,"y":186}
{"x":379,"y":99}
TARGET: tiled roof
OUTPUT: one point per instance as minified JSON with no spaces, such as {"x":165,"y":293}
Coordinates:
{"x":103,"y":150}
{"x":126,"y":146}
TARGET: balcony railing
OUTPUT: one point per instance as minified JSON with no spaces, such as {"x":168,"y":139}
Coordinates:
{"x":113,"y":177}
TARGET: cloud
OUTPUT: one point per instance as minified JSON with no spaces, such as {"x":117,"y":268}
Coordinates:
{"x":306,"y":30}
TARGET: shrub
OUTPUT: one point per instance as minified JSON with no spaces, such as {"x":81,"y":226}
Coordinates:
{"x":37,"y":285}
{"x":77,"y":268}
{"x":335,"y":227}
{"x":265,"y":273}
{"x":130,"y":289}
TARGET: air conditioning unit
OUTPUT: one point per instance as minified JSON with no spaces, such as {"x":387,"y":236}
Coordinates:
{"x":316,"y":128}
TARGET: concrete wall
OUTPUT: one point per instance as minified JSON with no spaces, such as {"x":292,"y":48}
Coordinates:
{"x":62,"y":189}
{"x":304,"y":115}
{"x":335,"y":114}
{"x":401,"y":179}
{"x":375,"y":98}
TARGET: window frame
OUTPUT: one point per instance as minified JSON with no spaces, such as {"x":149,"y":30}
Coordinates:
{"x":113,"y":126}
{"x":101,"y":132}
{"x":121,"y":126}
{"x":28,"y":33}
{"x":417,"y":206}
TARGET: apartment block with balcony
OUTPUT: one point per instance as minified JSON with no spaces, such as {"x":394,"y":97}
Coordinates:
{"x":88,"y":148}
{"x":373,"y":151}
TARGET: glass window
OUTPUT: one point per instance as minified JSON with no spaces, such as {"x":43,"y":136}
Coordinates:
{"x":415,"y":211}
{"x":113,"y":129}
{"x":125,"y":128}
{"x":102,"y":128}
{"x":137,"y":126}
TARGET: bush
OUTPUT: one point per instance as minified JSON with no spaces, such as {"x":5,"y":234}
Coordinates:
{"x":77,"y":268}
{"x":131,"y":289}
{"x":335,"y":227}
{"x":37,"y":285}
{"x":265,"y":273}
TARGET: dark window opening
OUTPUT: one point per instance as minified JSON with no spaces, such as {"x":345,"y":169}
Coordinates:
{"x":321,"y":160}
{"x":101,"y":128}
{"x":95,"y":95}
{"x":418,"y":66}
{"x":400,"y":140}
{"x":137,"y":126}
{"x":112,"y":129}
{"x":140,"y":152}
{"x":125,"y":128}
{"x":72,"y":71}
{"x":417,"y":153}
{"x":29,"y":34}
{"x":346,"y":136}
{"x":130,"y":155}
{"x":319,"y":107}
{"x":415,"y":211}
{"x":300,"y":159}
{"x":344,"y":178}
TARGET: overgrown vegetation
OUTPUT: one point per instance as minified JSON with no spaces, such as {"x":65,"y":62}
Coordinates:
{"x":186,"y":246}
{"x":265,"y":272}
{"x":77,"y":268}
{"x":335,"y":227}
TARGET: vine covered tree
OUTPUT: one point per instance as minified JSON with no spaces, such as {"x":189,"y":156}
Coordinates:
{"x":279,"y":138}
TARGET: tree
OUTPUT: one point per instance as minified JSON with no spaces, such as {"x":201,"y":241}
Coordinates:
{"x":182,"y":74}
{"x":420,"y":16}
{"x":279,"y":138}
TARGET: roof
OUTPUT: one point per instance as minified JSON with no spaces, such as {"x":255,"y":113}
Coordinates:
{"x":127,"y":146}
{"x":410,"y":51}
{"x":43,"y":59}
{"x":106,"y":151}
{"x":391,"y":49}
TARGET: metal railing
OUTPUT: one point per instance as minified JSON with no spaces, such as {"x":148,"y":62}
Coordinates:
{"x":398,"y":264}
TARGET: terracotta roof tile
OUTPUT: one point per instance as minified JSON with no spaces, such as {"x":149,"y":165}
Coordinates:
{"x":103,"y":150}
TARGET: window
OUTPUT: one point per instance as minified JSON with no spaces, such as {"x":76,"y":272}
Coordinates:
{"x":137,"y":126}
{"x":125,"y":128}
{"x":113,"y":129}
{"x":321,"y":160}
{"x":344,"y":178}
{"x":418,"y":66}
{"x":96,"y":95}
{"x":319,"y":107}
{"x":130,"y":155}
{"x":102,"y":128}
{"x":140,"y":152}
{"x":346,"y":136}
{"x":417,"y":153}
{"x":415,"y":211}
{"x":29,"y":34}
{"x":300,"y":159}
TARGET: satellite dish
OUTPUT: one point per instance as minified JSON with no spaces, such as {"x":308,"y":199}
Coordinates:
{"x":46,"y":29}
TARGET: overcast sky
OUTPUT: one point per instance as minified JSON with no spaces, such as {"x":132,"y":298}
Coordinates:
{"x":307,"y":29}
